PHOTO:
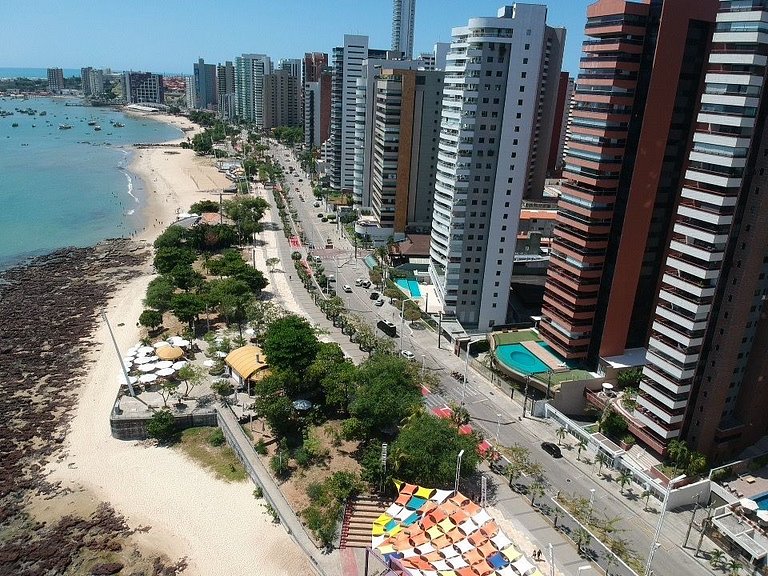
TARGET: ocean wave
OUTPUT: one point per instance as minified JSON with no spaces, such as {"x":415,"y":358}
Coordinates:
{"x":130,"y":186}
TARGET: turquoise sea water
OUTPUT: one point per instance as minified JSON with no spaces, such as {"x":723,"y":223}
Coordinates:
{"x":67,"y":187}
{"x":35,"y":72}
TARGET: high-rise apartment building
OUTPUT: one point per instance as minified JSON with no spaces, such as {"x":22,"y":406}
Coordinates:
{"x":205,"y":86}
{"x":365,"y":121}
{"x":435,"y":60}
{"x":317,"y":109}
{"x":281,"y":100}
{"x":632,"y":117}
{"x":85,"y":81}
{"x":562,"y":109}
{"x":316,"y":98}
{"x":143,"y":87}
{"x":347,"y":68}
{"x":403,"y":16}
{"x":406,"y":125}
{"x":495,"y":128}
{"x":704,"y":380}
{"x":225,"y":89}
{"x":313,"y":66}
{"x":55,"y":80}
{"x":190,"y":92}
{"x":291,"y":65}
{"x":250,"y":70}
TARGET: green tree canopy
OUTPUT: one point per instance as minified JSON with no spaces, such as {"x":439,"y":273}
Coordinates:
{"x":332,"y":373}
{"x":151,"y":318}
{"x":246,"y":212}
{"x":274,"y":404}
{"x":159,"y":293}
{"x":387,"y":392}
{"x":172,"y":237}
{"x":187,"y":307}
{"x":290,"y":344}
{"x":166,"y":259}
{"x":186,"y":278}
{"x":425,"y":452}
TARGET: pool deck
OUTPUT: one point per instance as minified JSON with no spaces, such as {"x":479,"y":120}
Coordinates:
{"x":544,"y":355}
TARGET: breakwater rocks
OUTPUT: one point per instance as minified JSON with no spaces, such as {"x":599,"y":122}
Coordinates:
{"x":49,"y":309}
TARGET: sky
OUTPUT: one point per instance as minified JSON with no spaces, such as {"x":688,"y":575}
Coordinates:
{"x":169,"y":35}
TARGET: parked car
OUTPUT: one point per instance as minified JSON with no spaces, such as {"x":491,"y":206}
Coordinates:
{"x":358,"y":281}
{"x":316,"y":204}
{"x":366,"y":284}
{"x":379,"y":302}
{"x":331,"y":278}
{"x":407,"y":354}
{"x":375,"y":296}
{"x":347,"y":288}
{"x":552,"y":449}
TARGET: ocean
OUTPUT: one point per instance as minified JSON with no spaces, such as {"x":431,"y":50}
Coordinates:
{"x":35,"y":73}
{"x":70,"y":187}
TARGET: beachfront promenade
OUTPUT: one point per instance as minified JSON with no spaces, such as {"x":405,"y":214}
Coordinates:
{"x":324,"y":564}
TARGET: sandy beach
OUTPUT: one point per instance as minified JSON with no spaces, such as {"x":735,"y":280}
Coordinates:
{"x":219,"y":528}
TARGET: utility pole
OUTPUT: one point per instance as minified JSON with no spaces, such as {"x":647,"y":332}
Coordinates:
{"x":439,"y":328}
{"x":690,"y":524}
{"x":704,"y":524}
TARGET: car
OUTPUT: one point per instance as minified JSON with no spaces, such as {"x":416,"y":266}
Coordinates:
{"x":552,"y":449}
{"x":407,"y":354}
{"x":316,"y":204}
{"x":317,"y":259}
{"x":300,"y":180}
{"x":320,"y":215}
{"x":366,"y":284}
{"x":347,"y":288}
{"x":375,"y":296}
{"x":359,"y":281}
{"x":379,"y":302}
{"x":331,"y":278}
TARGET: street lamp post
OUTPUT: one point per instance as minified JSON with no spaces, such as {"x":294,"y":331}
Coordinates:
{"x":525,"y":397}
{"x":498,"y":428}
{"x":458,"y":470}
{"x":657,"y":534}
{"x":551,"y":559}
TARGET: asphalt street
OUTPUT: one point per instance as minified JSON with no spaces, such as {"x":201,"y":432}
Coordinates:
{"x":490,"y":407}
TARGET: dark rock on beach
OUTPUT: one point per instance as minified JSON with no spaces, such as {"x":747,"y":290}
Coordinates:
{"x":49,"y":309}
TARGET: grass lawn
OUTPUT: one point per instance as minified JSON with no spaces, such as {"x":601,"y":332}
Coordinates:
{"x":502,"y":338}
{"x":221,"y":460}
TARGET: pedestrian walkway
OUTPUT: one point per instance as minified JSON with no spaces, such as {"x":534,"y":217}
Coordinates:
{"x":325,"y":564}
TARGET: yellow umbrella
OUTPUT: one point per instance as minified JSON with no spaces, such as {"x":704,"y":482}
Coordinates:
{"x":169,"y":353}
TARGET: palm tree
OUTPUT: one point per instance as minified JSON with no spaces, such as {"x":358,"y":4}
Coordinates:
{"x":678,"y":452}
{"x":561,"y":434}
{"x":646,"y":494}
{"x":582,"y":444}
{"x":603,"y":460}
{"x":625,"y":477}
{"x":536,"y":489}
{"x":734,"y":567}
{"x":582,"y":538}
{"x":716,"y":558}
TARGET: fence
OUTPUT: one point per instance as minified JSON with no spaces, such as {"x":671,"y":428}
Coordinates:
{"x":620,"y":462}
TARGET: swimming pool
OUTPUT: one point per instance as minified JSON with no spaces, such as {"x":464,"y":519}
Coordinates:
{"x":762,"y":500}
{"x":518,"y":358}
{"x":409,"y":286}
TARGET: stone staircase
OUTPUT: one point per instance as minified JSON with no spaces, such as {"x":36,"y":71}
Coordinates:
{"x":358,"y":521}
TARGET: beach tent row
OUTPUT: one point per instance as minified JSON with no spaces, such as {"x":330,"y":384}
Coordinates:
{"x":430,"y":532}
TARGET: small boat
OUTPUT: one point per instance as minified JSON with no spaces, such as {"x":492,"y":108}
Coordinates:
{"x":119,"y":125}
{"x":43,"y":113}
{"x":92,"y":123}
{"x":65,"y":126}
{"x":15,"y":125}
{"x":97,"y":128}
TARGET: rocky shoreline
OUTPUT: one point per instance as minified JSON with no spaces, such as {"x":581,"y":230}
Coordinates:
{"x":49,"y":309}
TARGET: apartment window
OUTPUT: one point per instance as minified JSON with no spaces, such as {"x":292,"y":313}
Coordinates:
{"x":489,"y":59}
{"x":527,"y":47}
{"x":525,"y":60}
{"x":523,"y":74}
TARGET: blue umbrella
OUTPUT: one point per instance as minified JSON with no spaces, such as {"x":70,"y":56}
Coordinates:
{"x":302,"y":405}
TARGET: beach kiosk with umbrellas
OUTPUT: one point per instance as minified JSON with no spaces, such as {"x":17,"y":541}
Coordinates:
{"x":248,"y":364}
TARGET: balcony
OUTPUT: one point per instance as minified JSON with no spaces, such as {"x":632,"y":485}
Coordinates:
{"x":661,"y":430}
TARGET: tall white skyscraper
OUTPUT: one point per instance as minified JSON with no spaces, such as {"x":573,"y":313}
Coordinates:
{"x":403,"y":13}
{"x":500,"y":82}
{"x":250,"y":70}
